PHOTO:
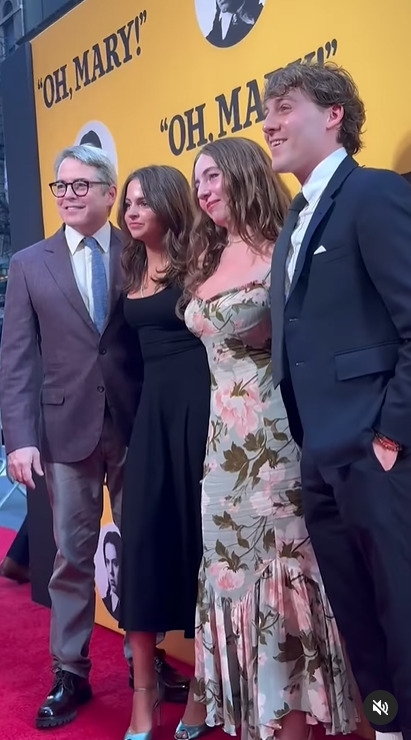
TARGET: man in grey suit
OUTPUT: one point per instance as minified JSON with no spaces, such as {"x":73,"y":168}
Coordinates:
{"x":64,"y":306}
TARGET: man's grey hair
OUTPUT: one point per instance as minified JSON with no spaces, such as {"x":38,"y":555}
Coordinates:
{"x":92,"y":156}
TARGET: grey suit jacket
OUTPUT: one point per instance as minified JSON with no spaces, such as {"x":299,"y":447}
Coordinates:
{"x":47,"y":326}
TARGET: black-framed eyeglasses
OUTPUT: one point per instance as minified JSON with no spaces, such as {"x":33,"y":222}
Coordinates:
{"x":79,"y":187}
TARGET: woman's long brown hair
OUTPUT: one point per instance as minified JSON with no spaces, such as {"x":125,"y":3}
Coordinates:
{"x":168,"y":194}
{"x":258,"y":200}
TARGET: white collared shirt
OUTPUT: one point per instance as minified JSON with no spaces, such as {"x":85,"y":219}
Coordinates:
{"x":114,"y":602}
{"x":81,"y":260}
{"x":312,"y":190}
{"x":225,"y":20}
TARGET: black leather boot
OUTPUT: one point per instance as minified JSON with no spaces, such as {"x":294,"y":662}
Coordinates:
{"x":69,"y":692}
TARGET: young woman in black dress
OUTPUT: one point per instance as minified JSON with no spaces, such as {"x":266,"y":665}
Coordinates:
{"x":161,"y":518}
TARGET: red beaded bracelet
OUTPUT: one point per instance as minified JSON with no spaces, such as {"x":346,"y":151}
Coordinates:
{"x":388,"y":444}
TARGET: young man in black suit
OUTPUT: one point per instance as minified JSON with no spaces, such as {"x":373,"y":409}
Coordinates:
{"x":233,"y":21}
{"x":112,"y":560}
{"x":341,"y":314}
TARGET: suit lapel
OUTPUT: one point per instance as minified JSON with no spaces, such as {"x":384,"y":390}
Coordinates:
{"x":324,"y":205}
{"x":277,"y":299}
{"x":58,"y":262}
{"x":322,"y":209}
{"x":278,"y":266}
{"x":116,"y":273}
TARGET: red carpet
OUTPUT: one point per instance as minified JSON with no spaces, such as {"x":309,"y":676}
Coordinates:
{"x":25,"y":676}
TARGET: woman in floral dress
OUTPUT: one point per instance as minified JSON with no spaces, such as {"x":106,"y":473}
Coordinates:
{"x":268,"y":653}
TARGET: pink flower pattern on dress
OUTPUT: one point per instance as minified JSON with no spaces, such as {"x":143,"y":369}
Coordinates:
{"x":262,"y":503}
{"x":201,"y":326}
{"x":227,"y":579}
{"x":264,"y":626}
{"x":238,"y":405}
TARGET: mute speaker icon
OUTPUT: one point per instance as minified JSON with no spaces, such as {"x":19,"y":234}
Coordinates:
{"x":379,"y":707}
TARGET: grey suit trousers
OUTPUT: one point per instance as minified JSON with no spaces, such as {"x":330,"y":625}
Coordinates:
{"x":76,"y":495}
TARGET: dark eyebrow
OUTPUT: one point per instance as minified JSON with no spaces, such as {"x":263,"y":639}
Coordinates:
{"x":207,"y":170}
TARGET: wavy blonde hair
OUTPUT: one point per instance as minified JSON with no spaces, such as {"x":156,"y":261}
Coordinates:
{"x":257,"y":198}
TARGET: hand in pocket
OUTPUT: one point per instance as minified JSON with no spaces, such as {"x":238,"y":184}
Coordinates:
{"x":386,"y":458}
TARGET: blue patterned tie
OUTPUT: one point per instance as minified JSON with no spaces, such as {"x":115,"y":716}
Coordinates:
{"x":98,"y":282}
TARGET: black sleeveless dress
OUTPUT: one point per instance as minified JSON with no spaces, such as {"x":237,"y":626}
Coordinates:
{"x":161,"y":517}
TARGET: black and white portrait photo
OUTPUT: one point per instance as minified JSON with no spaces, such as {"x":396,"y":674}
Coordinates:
{"x":224,"y":23}
{"x":108,"y":565}
{"x":97,"y":134}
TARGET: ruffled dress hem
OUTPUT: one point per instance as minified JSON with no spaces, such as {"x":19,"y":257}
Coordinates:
{"x":285,"y":615}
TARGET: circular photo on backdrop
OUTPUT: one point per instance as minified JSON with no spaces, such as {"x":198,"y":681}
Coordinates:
{"x":97,"y":134}
{"x":224,"y":23}
{"x":108,"y":568}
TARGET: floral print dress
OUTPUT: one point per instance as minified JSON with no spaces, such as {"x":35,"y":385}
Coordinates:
{"x":266,"y":639}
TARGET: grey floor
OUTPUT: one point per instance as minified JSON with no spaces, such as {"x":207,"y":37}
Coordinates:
{"x":14,"y":510}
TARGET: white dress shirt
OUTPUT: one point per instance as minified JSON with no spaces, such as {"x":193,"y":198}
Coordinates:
{"x":81,"y":260}
{"x":225,"y":20}
{"x":312,"y":190}
{"x":114,"y":602}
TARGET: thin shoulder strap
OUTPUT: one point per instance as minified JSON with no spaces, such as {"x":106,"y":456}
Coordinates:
{"x":267,"y":277}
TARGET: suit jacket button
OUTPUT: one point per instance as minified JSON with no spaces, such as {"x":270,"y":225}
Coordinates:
{"x":298,"y":364}
{"x":103,"y":351}
{"x":100,"y":388}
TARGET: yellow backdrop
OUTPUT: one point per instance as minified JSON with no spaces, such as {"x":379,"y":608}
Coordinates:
{"x":143,"y":77}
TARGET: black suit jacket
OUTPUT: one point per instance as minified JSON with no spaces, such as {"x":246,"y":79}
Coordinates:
{"x":346,"y":326}
{"x":107,"y":603}
{"x":237,"y":31}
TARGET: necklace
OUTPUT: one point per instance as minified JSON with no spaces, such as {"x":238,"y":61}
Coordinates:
{"x":149,"y":278}
{"x":144,"y":284}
